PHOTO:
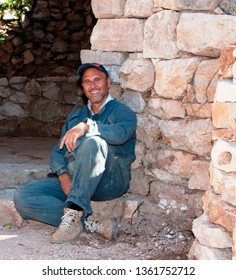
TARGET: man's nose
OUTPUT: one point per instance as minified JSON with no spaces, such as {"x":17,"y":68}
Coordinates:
{"x":92,"y":84}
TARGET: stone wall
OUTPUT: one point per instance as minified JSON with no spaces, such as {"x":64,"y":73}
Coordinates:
{"x":48,"y":40}
{"x":163,"y":57}
{"x":215,"y":229}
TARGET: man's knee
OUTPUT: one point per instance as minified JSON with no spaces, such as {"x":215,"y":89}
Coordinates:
{"x":94,"y":144}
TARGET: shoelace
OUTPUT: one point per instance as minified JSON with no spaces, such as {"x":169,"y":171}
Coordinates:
{"x":91,"y":226}
{"x":67,"y":219}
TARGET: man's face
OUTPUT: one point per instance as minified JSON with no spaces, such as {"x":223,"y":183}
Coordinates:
{"x":96,"y":86}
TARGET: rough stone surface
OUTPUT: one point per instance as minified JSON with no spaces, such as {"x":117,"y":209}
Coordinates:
{"x":139,"y":9}
{"x":102,"y":10}
{"x":229,"y":6}
{"x":222,"y":33}
{"x":173,"y":77}
{"x":223,"y":155}
{"x":210,"y":235}
{"x":160,"y":35}
{"x":201,"y":252}
{"x":108,"y":35}
{"x":199,"y":5}
{"x":137,"y":75}
{"x":224,"y":115}
{"x":191,"y":136}
{"x":49,"y":40}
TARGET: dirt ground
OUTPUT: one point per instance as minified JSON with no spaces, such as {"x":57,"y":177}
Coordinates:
{"x":32,"y":242}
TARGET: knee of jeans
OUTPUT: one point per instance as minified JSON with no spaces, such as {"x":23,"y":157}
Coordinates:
{"x":94,"y":144}
{"x":18,"y":197}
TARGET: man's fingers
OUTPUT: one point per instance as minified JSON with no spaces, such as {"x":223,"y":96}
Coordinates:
{"x":70,"y":139}
{"x":62,"y":142}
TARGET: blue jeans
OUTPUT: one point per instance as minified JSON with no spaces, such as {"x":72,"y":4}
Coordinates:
{"x":97,"y":174}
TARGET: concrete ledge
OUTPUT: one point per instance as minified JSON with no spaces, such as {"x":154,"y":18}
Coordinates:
{"x":23,"y":159}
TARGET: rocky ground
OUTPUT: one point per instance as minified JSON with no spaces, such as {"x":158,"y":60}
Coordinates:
{"x":149,"y":234}
{"x":31,"y":241}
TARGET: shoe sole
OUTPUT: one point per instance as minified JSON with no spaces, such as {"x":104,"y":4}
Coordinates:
{"x":64,"y":241}
{"x":114,"y":228}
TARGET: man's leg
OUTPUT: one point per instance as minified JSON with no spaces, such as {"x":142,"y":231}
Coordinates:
{"x":97,"y":175}
{"x":41,"y":200}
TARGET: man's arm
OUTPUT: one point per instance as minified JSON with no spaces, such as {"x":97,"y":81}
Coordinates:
{"x":71,"y":136}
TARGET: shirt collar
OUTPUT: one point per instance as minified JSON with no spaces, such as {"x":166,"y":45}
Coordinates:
{"x":109,"y":98}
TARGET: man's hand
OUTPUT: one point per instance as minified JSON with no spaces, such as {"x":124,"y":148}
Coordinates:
{"x":65,"y":181}
{"x":72,"y":135}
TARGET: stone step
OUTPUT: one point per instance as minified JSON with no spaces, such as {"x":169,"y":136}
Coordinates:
{"x":23,"y":159}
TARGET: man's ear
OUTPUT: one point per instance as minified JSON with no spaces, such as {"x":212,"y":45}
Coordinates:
{"x":109,"y":82}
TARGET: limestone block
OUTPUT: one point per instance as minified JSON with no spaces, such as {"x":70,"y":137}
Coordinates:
{"x":170,"y":199}
{"x":166,"y":109}
{"x":115,"y":91}
{"x":201,"y":252}
{"x":9,"y":109}
{"x":207,"y":5}
{"x":137,"y":74}
{"x":193,"y":136}
{"x":20,"y":97}
{"x":134,"y":100}
{"x":138,"y":9}
{"x":217,"y":179}
{"x":225,"y":91}
{"x":209,"y":234}
{"x":52,"y":91}
{"x":33,"y":88}
{"x":160,"y":35}
{"x":227,"y":59}
{"x":118,"y":35}
{"x":105,"y":58}
{"x":8,"y":214}
{"x":228,"y":6}
{"x":202,"y":42}
{"x":173,"y":76}
{"x":199,"y":179}
{"x":173,"y":161}
{"x":205,"y":80}
{"x":17,"y":82}
{"x":200,"y":111}
{"x":224,"y":115}
{"x":5,"y":91}
{"x":139,"y":184}
{"x":140,"y":152}
{"x":130,"y":209}
{"x":229,"y":189}
{"x":223,"y":155}
{"x":220,"y":212}
{"x":148,"y":130}
{"x":47,"y":110}
{"x":102,"y":9}
{"x":114,"y":73}
{"x":164,"y":176}
{"x":224,"y":133}
{"x":28,"y":57}
{"x":4,"y":82}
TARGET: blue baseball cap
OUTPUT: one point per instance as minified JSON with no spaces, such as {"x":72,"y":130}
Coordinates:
{"x":86,"y":66}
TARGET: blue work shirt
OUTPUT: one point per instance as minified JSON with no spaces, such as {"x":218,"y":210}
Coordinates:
{"x":115,"y":123}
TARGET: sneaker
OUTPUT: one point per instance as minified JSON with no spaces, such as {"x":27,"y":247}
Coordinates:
{"x":69,"y":228}
{"x":106,"y":227}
